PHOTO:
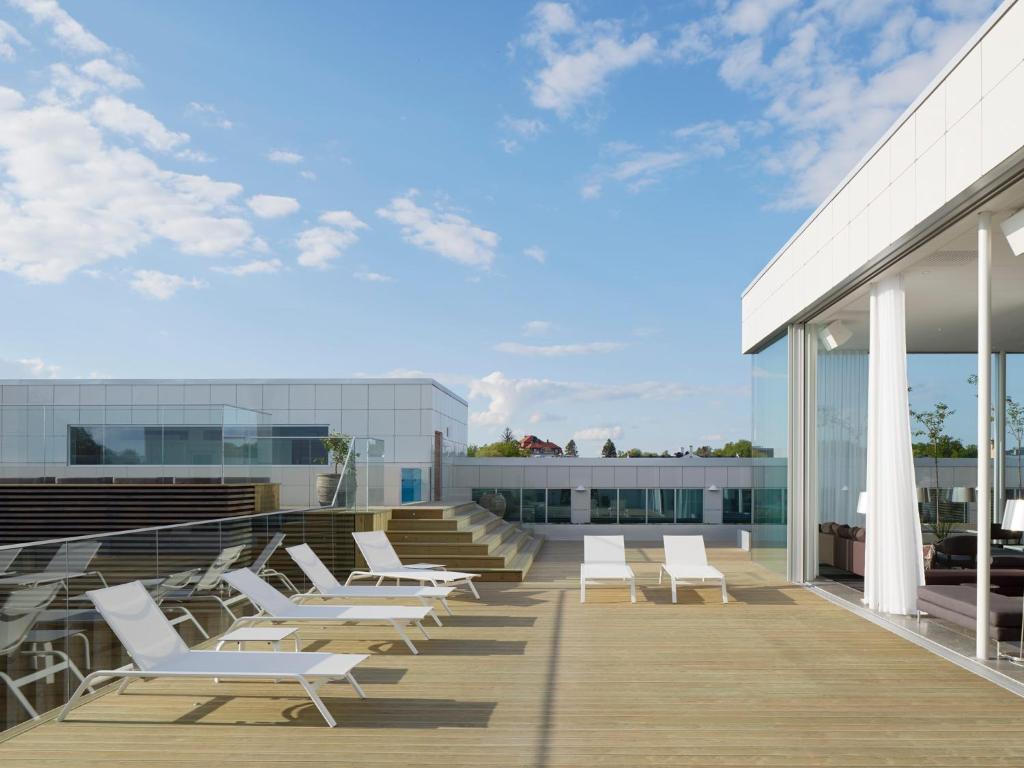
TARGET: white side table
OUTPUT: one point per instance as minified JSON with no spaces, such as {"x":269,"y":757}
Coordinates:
{"x":272,"y":635}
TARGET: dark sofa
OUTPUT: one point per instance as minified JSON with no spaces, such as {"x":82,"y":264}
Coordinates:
{"x":841,"y":546}
{"x":957,"y":603}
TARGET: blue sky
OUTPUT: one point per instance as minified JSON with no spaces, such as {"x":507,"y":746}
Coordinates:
{"x":551,"y":208}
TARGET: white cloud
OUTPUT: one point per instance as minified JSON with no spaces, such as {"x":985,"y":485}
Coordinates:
{"x":257,"y":267}
{"x":711,"y":138}
{"x":110,"y":75}
{"x":752,"y":17}
{"x":308,"y":175}
{"x":28,"y":368}
{"x":826,"y":99}
{"x":272,"y":206}
{"x":637,"y":170}
{"x":284,"y":156}
{"x":524,"y":128}
{"x":536,"y":327}
{"x":68,"y":32}
{"x":558,"y":350}
{"x":9,"y":37}
{"x":210,"y":114}
{"x":446,"y":234}
{"x":119,"y":116}
{"x":373,"y":277}
{"x":507,"y":399}
{"x":320,"y":245}
{"x":598,"y":433}
{"x":343,"y":219}
{"x":161,"y":285}
{"x":72,"y":200}
{"x":536,"y":253}
{"x":578,"y":57}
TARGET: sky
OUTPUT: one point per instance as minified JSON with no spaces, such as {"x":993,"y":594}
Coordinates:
{"x":551,"y":208}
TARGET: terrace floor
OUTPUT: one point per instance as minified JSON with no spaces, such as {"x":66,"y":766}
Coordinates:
{"x":529,"y":677}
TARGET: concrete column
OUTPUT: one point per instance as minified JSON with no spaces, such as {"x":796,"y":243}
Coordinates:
{"x":984,"y":428}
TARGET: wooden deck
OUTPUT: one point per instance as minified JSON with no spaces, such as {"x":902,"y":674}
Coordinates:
{"x":529,"y":677}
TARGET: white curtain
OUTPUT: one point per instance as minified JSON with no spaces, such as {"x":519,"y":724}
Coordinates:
{"x":842,"y":421}
{"x":893,"y":567}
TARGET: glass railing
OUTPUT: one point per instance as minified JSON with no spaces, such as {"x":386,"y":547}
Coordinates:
{"x":50,"y":636}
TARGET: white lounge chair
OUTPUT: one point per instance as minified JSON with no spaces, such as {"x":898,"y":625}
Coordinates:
{"x":260,"y":568}
{"x":7,"y":557}
{"x":158,"y":651}
{"x":327,"y":586}
{"x":685,"y":559}
{"x":604,"y":559}
{"x":274,"y":606}
{"x":70,"y":561}
{"x":382,"y":563}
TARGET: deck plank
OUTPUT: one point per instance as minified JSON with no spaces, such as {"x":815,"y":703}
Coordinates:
{"x":529,"y":677}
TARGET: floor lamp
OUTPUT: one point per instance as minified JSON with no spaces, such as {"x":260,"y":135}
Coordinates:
{"x":1013,"y":520}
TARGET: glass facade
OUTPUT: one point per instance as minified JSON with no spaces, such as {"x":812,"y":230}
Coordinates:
{"x":193,"y":444}
{"x":770,"y":438}
{"x":622,"y":506}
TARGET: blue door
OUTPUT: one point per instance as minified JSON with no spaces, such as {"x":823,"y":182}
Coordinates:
{"x":412,"y":485}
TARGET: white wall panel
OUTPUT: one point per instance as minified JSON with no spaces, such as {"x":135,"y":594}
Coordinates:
{"x":1002,"y":110}
{"x":1002,"y":49}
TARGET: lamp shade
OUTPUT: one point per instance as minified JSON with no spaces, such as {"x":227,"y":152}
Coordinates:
{"x":963,"y":495}
{"x":862,"y":503}
{"x":712,"y":487}
{"x":580,"y":489}
{"x":1013,"y":516}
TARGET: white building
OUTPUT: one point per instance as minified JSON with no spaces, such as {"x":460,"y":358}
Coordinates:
{"x":922,"y":223}
{"x":230,"y":429}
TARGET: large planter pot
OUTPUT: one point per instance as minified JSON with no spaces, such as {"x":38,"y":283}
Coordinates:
{"x":493,"y":503}
{"x":326,"y":486}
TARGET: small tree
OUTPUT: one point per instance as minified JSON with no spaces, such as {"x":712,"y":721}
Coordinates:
{"x":336,"y":445}
{"x":933,"y":425}
{"x":471,"y":450}
{"x":571,"y":450}
{"x":508,"y":436}
{"x":608,"y":450}
{"x":1015,"y":423}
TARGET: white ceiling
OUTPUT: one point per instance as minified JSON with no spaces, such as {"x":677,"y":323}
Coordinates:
{"x":941,"y":280}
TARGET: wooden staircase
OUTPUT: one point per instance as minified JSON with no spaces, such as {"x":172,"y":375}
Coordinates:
{"x":464,"y":537}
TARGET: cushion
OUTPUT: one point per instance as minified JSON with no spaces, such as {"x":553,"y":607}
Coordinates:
{"x":843,"y":531}
{"x":861,"y":534}
{"x":1004,"y":611}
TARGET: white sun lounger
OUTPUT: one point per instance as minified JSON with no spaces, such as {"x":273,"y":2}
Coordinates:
{"x":686,"y":559}
{"x":325,"y":585}
{"x":158,"y":651}
{"x":274,"y":606}
{"x":382,"y":563}
{"x":604,"y":559}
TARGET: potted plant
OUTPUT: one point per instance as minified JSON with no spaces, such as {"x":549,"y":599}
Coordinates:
{"x":336,"y":445}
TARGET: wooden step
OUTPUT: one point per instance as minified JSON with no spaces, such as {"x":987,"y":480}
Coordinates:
{"x":423,"y":550}
{"x":420,"y":513}
{"x":428,"y":537}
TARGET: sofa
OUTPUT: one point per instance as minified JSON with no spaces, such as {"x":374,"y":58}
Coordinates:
{"x":841,"y":546}
{"x":957,"y":603}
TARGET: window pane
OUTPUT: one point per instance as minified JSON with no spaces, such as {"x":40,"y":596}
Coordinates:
{"x":192,"y":445}
{"x":86,"y":445}
{"x":691,"y":506}
{"x":124,"y":445}
{"x":736,"y":506}
{"x":512,"y":503}
{"x":632,"y":505}
{"x":602,"y":505}
{"x":533,"y":505}
{"x":559,"y":505}
{"x":661,"y":505}
{"x":297,"y":430}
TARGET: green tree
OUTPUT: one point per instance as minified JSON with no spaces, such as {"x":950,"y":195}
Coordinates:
{"x":336,"y":445}
{"x":704,"y":452}
{"x":571,"y":450}
{"x":502,"y":448}
{"x":741,"y":448}
{"x":933,"y":426}
{"x":507,"y":436}
{"x":471,"y":450}
{"x":608,"y":450}
{"x":1015,"y":423}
